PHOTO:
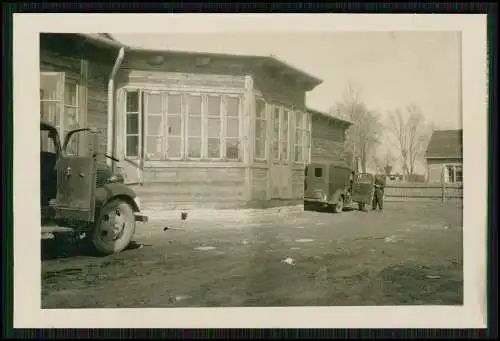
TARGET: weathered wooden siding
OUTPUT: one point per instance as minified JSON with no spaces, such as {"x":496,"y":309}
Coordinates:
{"x":92,"y":67}
{"x":186,"y":187}
{"x":277,"y":90}
{"x":259,"y":183}
{"x":328,"y":140}
{"x":298,"y":183}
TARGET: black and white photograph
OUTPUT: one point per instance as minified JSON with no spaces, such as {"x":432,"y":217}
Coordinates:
{"x":252,"y":163}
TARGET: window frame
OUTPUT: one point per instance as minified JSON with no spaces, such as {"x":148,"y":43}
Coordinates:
{"x":181,"y":118}
{"x":184,"y":117}
{"x":146,"y":115}
{"x":226,"y":118}
{"x":453,"y":167}
{"x":265,"y":127}
{"x":186,"y":114}
{"x":221,"y":126}
{"x":139,"y":133}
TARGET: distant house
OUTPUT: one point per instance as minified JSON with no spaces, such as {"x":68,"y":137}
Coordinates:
{"x":444,"y":156}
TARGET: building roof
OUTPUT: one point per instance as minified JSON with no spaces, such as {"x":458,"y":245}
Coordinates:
{"x":330,"y":116}
{"x":107,"y":40}
{"x":445,"y":144}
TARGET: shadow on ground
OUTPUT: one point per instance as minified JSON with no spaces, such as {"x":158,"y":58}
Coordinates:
{"x":52,"y":249}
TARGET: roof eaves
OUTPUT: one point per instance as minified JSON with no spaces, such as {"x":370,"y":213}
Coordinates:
{"x":312,"y":79}
{"x":345,"y":121}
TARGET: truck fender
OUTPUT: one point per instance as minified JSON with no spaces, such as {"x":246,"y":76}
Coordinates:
{"x":335,"y":197}
{"x":109,"y":192}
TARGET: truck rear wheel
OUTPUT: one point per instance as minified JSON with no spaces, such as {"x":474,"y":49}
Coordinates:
{"x":114,"y":227}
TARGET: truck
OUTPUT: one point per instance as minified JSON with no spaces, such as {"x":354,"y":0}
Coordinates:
{"x":80,"y":198}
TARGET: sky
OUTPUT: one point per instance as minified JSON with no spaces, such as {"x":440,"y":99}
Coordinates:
{"x":389,"y":69}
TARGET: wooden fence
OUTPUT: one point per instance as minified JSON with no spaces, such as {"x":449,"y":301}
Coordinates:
{"x":430,"y":191}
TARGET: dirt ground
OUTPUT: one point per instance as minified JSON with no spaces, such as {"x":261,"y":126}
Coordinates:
{"x":411,"y":253}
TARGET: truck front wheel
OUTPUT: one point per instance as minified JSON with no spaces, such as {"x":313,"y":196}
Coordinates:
{"x":114,"y":227}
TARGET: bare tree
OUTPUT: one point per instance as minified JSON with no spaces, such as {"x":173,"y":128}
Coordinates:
{"x":365,"y":133}
{"x":411,"y":133}
{"x":383,"y":161}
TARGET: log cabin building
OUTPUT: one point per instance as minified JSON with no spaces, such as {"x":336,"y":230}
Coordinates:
{"x":190,"y":129}
{"x":328,"y":138}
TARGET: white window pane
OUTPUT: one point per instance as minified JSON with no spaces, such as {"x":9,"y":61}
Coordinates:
{"x":213,"y":148}
{"x":260,"y":109}
{"x":50,"y":112}
{"x":132,"y":101}
{"x":276,"y":150}
{"x":132,"y":148}
{"x":174,"y":104}
{"x":214,"y":127}
{"x":284,"y":125}
{"x":284,"y":151}
{"x":260,"y":129}
{"x":174,"y":147}
{"x":232,"y":149}
{"x":214,"y":105}
{"x":194,"y":126}
{"x":174,"y":125}
{"x":299,"y":122}
{"x":49,"y":86}
{"x":307,"y":142}
{"x":298,"y":154}
{"x":155,"y":125}
{"x":232,"y":129}
{"x":70,"y":118}
{"x":194,"y":147}
{"x":194,"y":105}
{"x":154,"y":104}
{"x":132,"y":124}
{"x":154,"y":147}
{"x":232,"y":106}
{"x":70,"y":93}
{"x":260,"y":149}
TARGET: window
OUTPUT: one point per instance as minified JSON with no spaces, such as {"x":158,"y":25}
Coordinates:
{"x":181,"y":126}
{"x":232,"y":128}
{"x":154,"y":134}
{"x":302,"y":137}
{"x":174,"y":126}
{"x":133,"y":125}
{"x":307,"y":138}
{"x":299,"y":137}
{"x":193,"y":126}
{"x":318,"y":172}
{"x":260,"y":130}
{"x":59,"y":103}
{"x":453,"y":173}
{"x":284,"y":135}
{"x":276,"y":133}
{"x":214,"y":105}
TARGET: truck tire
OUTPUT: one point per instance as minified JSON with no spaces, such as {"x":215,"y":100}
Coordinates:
{"x":114,"y":227}
{"x":361,"y":206}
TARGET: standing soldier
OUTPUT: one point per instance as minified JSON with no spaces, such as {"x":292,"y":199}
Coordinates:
{"x":378,"y":198}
